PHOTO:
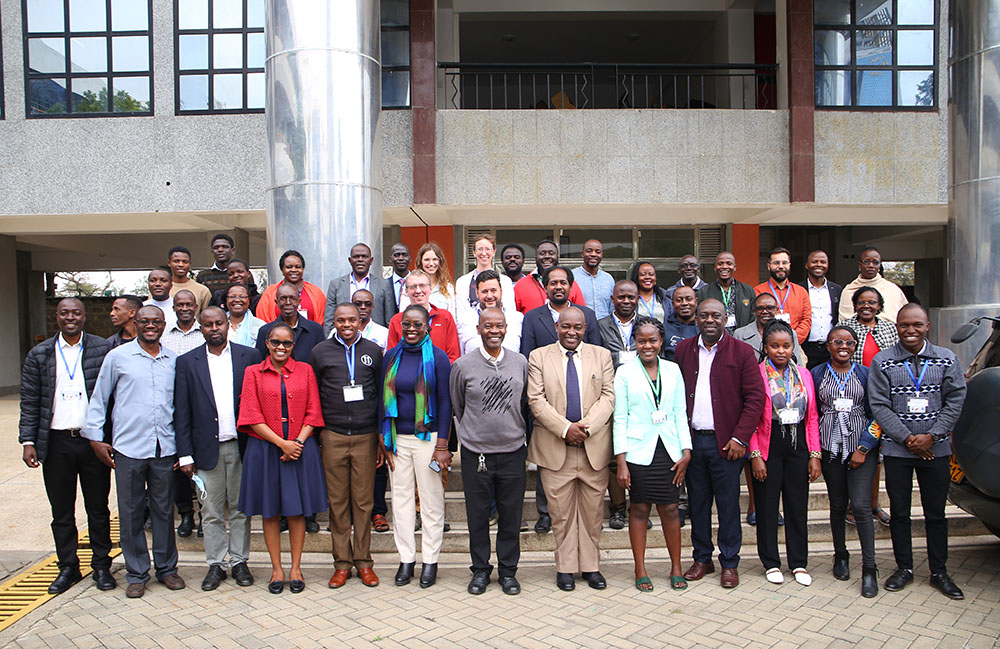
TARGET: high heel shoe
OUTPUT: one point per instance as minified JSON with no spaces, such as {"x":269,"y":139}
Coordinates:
{"x":428,"y":575}
{"x":405,"y":573}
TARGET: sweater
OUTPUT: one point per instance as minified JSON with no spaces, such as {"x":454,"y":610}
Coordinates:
{"x":489,"y":399}
{"x":892,"y":296}
{"x":406,"y":402}
{"x":329,"y":363}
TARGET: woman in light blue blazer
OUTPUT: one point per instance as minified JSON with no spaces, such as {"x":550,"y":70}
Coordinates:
{"x":652,"y":443}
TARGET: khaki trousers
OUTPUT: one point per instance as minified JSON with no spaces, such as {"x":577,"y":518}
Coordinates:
{"x":412,"y":459}
{"x":576,"y":503}
{"x":349,"y":464}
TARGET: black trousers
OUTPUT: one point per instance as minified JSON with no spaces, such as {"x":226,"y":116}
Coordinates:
{"x":503,"y":480}
{"x":842,"y":484}
{"x":817,"y":353}
{"x":381,"y":483}
{"x":933,"y":478}
{"x":183,"y":493}
{"x":713,"y":477}
{"x":787,"y":481}
{"x":69,"y":459}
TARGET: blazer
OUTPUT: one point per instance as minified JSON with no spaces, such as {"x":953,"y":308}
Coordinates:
{"x":547,"y":400}
{"x":538,"y":330}
{"x":196,"y":420}
{"x":339,"y":290}
{"x":737,"y":392}
{"x":761,"y":439}
{"x":260,"y":399}
{"x":611,"y":339}
{"x":635,"y":434}
{"x":835,"y":292}
{"x":742,"y":293}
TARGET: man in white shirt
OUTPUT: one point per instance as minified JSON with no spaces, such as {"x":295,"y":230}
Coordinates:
{"x":489,"y":295}
{"x":159,"y":283}
{"x":400,"y":259}
{"x":185,"y":333}
{"x":824,"y":298}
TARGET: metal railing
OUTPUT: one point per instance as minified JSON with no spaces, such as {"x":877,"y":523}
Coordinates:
{"x":493,"y":86}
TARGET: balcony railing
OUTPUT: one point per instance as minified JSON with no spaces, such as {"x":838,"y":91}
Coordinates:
{"x":493,"y":86}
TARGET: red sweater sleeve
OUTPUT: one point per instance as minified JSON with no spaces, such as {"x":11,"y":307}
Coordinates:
{"x":314,"y":415}
{"x":250,"y":411}
{"x":451,"y":346}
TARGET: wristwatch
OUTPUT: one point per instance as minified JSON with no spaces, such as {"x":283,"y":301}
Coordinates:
{"x":863,"y":450}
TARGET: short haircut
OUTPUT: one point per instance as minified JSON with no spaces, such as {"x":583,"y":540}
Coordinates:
{"x":518,"y":246}
{"x":644,"y":320}
{"x":761,"y":295}
{"x":870,"y":249}
{"x":132,"y":301}
{"x":868,"y":289}
{"x":548,"y":271}
{"x":487,"y":275}
{"x":416,"y":274}
{"x":224,"y":237}
{"x":182,"y":291}
{"x":845,"y":328}
{"x":237,"y":260}
{"x":771,"y":328}
{"x":165,"y":269}
{"x":778,"y":251}
{"x":225,"y":296}
{"x":362,"y":290}
{"x":346,"y":305}
{"x":282,"y":325}
{"x":418,"y":308}
{"x":290,"y":253}
{"x":178,"y":249}
{"x":361,"y":243}
{"x":544,"y":241}
{"x":909,"y":306}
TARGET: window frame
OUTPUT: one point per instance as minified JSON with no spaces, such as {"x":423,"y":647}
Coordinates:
{"x":210,"y":71}
{"x":68,"y":75}
{"x":893,"y":69}
{"x":383,"y":28}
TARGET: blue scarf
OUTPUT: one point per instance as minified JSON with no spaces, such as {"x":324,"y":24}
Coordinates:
{"x":426,"y":404}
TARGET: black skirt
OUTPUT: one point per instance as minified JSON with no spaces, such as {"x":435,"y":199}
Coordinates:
{"x":653,"y":484}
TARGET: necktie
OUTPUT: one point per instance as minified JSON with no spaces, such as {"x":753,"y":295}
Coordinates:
{"x":573,"y":410}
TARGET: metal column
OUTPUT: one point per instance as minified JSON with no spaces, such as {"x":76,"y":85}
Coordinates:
{"x":323,"y":103}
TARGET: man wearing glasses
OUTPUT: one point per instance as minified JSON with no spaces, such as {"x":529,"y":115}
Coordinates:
{"x":687,"y":267}
{"x":869,"y":275}
{"x":765,"y":307}
{"x":793,"y":300}
{"x":444,"y":333}
{"x":307,"y":333}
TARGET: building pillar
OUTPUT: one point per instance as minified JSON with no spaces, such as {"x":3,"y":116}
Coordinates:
{"x":423,"y":68}
{"x":801,"y":102}
{"x":12,"y":353}
{"x":323,"y":104}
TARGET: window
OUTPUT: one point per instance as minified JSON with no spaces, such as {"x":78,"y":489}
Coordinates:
{"x":395,"y":53}
{"x":219,"y":56}
{"x":88,"y":57}
{"x":875,"y":53}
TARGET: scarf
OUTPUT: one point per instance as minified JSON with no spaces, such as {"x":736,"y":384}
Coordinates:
{"x":791,"y":389}
{"x":426,"y":404}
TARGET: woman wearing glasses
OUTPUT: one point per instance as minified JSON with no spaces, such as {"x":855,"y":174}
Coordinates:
{"x":282,"y":471}
{"x":848,"y":462}
{"x":431,"y":260}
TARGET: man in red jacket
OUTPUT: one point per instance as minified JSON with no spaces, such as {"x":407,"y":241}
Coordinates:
{"x":444,"y":333}
{"x":725,"y":397}
{"x":528,"y":292}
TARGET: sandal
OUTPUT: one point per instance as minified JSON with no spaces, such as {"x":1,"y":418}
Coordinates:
{"x":678,"y":582}
{"x":643,"y":584}
{"x":379,"y":524}
{"x":881,"y":516}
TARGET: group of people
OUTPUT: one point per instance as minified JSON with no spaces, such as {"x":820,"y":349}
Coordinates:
{"x":293,"y":401}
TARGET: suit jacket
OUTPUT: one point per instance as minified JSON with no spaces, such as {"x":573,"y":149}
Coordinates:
{"x":196,"y":420}
{"x":339,"y":290}
{"x":835,"y":292}
{"x":538,"y":330}
{"x":737,"y":392}
{"x":547,"y":400}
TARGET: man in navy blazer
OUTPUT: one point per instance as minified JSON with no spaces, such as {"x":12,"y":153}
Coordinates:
{"x":207,"y":388}
{"x":725,"y":397}
{"x":824,"y":299}
{"x":342,"y":290}
{"x":539,"y":326}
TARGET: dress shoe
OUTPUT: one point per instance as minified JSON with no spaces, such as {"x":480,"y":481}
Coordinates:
{"x":104,"y":579}
{"x":379,"y":524}
{"x":774,"y":576}
{"x":699,"y":570}
{"x":477,"y":585}
{"x":296,"y":586}
{"x":524,"y":525}
{"x":339,"y":578}
{"x":368,"y":577}
{"x":943,"y":583}
{"x":64,"y":580}
{"x":186,"y":525}
{"x":428,"y":575}
{"x":751,"y":518}
{"x":595,"y":580}
{"x":282,"y":524}
{"x":216,"y":574}
{"x":404,"y":574}
{"x":565,"y":581}
{"x":617,"y":520}
{"x":173,"y":581}
{"x":730,"y":578}
{"x":544,"y":524}
{"x":869,"y":582}
{"x":275,"y":587}
{"x":898,"y":580}
{"x":135,"y":591}
{"x":510,"y":586}
{"x":447,"y":527}
{"x":241,"y":573}
{"x":312,"y":527}
{"x":802,"y":577}
{"x":841,"y":569}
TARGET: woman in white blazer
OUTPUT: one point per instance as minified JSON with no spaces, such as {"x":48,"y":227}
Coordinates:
{"x":652,"y":443}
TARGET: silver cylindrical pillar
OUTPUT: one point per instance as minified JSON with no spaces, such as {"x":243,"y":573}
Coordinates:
{"x":324,"y":96}
{"x":974,"y":197}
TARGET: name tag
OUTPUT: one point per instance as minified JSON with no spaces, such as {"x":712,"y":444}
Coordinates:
{"x":659,"y":416}
{"x":731,"y":321}
{"x":626,"y":356}
{"x":843,"y":404}
{"x":784,"y":317}
{"x":303,"y":313}
{"x":353,"y":393}
{"x":788,"y":416}
{"x":71,"y":395}
{"x":916,"y":405}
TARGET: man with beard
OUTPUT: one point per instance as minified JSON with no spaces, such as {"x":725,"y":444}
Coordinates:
{"x":529,"y":292}
{"x":870,"y":268}
{"x":512,"y":261}
{"x":122,"y":314}
{"x":793,"y":300}
{"x":342,"y":289}
{"x":824,"y":299}
{"x":159,"y":283}
{"x":687,"y":268}
{"x":680,"y":325}
{"x":489,"y":295}
{"x":594,"y":282}
{"x":736,"y":296}
{"x":400,"y":258}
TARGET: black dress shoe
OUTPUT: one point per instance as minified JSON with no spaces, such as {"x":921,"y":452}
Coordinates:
{"x":428,"y":575}
{"x":104,"y":579}
{"x":477,"y":586}
{"x":944,"y":584}
{"x":275,"y":587}
{"x":841,"y":569}
{"x":544,"y":524}
{"x":404,"y":574}
{"x":241,"y":573}
{"x":282,"y":524}
{"x":565,"y":581}
{"x":296,"y":585}
{"x":186,"y":525}
{"x":64,"y":580}
{"x":510,"y":585}
{"x":595,"y":580}
{"x":216,"y":575}
{"x":898,"y":580}
{"x":869,"y":582}
{"x":312,"y":527}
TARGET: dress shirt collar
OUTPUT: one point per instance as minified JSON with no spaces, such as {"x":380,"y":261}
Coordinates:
{"x":194,"y":327}
{"x":701,"y":344}
{"x":564,"y":351}
{"x":137,"y":349}
{"x":226,"y":351}
{"x":62,"y":342}
{"x":486,"y":355}
{"x":622,"y":323}
{"x":825,"y":286}
{"x":364,"y":280}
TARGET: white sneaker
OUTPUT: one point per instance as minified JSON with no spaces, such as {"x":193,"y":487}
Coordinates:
{"x":774,"y":576}
{"x":802,"y":576}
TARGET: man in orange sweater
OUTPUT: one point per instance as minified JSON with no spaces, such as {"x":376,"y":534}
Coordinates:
{"x":793,"y":300}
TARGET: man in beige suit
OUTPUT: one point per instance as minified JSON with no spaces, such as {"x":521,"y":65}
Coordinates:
{"x":571,"y":394}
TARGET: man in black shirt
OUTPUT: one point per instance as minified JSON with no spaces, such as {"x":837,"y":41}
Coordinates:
{"x":349,"y":373}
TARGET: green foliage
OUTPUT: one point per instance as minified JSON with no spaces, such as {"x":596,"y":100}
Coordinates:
{"x":91,"y":102}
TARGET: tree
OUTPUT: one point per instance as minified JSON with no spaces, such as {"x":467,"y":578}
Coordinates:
{"x":925,"y":92}
{"x":91,"y":102}
{"x":77,"y":284}
{"x":899,"y":273}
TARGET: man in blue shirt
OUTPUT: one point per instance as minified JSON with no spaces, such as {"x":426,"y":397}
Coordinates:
{"x":594,"y":282}
{"x":143,"y":452}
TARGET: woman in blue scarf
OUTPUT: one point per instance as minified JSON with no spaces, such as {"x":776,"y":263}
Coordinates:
{"x":416,"y":417}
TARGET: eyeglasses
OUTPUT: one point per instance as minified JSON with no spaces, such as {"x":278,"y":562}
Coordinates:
{"x":274,"y":342}
{"x":287,"y":299}
{"x":423,"y":285}
{"x":411,"y":324}
{"x":868,"y":303}
{"x":765,"y":309}
{"x":837,"y":342}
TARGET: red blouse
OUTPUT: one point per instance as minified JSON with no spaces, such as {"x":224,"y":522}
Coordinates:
{"x":869,"y":350}
{"x":260,"y":401}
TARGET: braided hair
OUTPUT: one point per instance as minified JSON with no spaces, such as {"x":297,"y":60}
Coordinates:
{"x":642,"y":320}
{"x":772,"y":327}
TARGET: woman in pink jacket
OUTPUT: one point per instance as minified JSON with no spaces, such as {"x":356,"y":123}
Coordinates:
{"x":784,"y":455}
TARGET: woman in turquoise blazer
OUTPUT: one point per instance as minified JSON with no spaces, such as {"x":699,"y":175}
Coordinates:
{"x":652,"y":443}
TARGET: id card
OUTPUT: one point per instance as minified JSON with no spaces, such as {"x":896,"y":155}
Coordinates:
{"x":303,"y":313}
{"x":784,"y":317}
{"x":71,"y":395}
{"x":731,"y":321}
{"x":788,"y":416}
{"x":659,"y":416}
{"x":626,"y":356}
{"x":353,"y":393}
{"x":916,"y":405}
{"x":843,"y":404}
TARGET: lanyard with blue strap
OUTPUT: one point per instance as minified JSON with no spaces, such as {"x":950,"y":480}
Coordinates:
{"x":349,"y":352}
{"x":841,"y":385}
{"x":650,"y":308}
{"x":774,"y":292}
{"x":77,"y":364}
{"x":917,"y":381}
{"x":626,"y":338}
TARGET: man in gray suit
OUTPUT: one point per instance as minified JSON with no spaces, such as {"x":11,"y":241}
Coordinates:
{"x":342,"y":289}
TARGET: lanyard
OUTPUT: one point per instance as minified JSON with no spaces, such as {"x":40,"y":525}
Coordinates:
{"x":774,"y":291}
{"x":649,"y":307}
{"x":841,"y":385}
{"x":658,"y":389}
{"x":621,"y":331}
{"x":79,"y":355}
{"x":788,"y":385}
{"x":917,"y":382}
{"x":349,"y":352}
{"x":726,"y":295}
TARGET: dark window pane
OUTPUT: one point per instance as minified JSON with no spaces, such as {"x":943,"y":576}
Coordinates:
{"x":915,"y":88}
{"x":255,"y":50}
{"x":874,"y":47}
{"x":46,"y":16}
{"x":874,"y":12}
{"x":228,"y":89}
{"x":227,"y":51}
{"x":89,"y":95}
{"x":194,"y":92}
{"x":395,"y":12}
{"x":617,"y":243}
{"x":255,"y":90}
{"x":131,"y":95}
{"x":666,"y":243}
{"x":915,"y":47}
{"x":396,"y":88}
{"x":833,"y":88}
{"x":88,"y":54}
{"x":833,"y":47}
{"x":88,"y":16}
{"x":129,"y":15}
{"x":395,"y":48}
{"x":916,"y":12}
{"x":193,"y":14}
{"x":130,"y":53}
{"x":227,"y":13}
{"x":194,"y":52}
{"x":47,"y":95}
{"x":255,"y":13}
{"x":874,"y":87}
{"x":832,"y":12}
{"x":527,"y":238}
{"x":47,"y":55}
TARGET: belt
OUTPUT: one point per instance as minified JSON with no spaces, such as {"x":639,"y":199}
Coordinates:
{"x":349,"y":433}
{"x":705,"y":432}
{"x":72,"y":432}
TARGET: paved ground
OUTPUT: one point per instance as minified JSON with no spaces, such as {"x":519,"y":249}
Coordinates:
{"x":827,"y":614}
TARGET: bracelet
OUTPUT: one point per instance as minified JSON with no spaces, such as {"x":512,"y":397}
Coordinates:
{"x":754,"y":455}
{"x":441,"y":448}
{"x":815,"y":455}
{"x":299,"y":441}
